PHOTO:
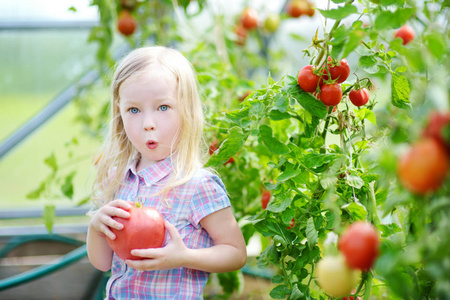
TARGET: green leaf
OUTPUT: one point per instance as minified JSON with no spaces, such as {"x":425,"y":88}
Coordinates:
{"x":388,"y":19}
{"x":273,"y":144}
{"x":400,"y":91}
{"x":436,"y":45}
{"x":230,"y":281}
{"x":369,"y":64}
{"x":354,"y":39}
{"x":296,"y":294}
{"x":67,"y":187}
{"x":279,"y":203}
{"x":311,"y":233}
{"x":339,"y":13}
{"x":308,"y":102}
{"x":269,"y":255}
{"x":49,"y":217}
{"x":354,"y":181}
{"x":356,"y":210}
{"x":35,"y":194}
{"x":230,"y":146}
{"x":365,"y":113}
{"x":236,"y":116}
{"x":280,"y":292}
{"x":289,"y":172}
{"x":51,"y":162}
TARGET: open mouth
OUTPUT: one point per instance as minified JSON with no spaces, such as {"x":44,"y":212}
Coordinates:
{"x":152,"y":144}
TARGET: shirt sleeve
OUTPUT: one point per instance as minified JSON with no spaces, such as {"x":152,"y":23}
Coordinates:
{"x":210,"y":196}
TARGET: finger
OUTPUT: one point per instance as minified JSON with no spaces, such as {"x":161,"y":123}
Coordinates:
{"x":173,"y":232}
{"x":145,"y":264}
{"x":121,"y":204}
{"x":146,"y":253}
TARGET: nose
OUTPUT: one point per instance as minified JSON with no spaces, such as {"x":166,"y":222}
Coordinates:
{"x":149,"y":124}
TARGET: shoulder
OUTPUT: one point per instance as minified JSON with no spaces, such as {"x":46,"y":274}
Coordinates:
{"x":204,"y":178}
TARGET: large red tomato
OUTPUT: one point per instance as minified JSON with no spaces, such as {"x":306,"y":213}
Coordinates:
{"x":331,"y":94}
{"x":307,"y":80}
{"x":359,"y":97}
{"x":406,"y":33}
{"x":437,"y":123}
{"x":144,"y":229}
{"x":424,"y":167}
{"x":335,"y":277}
{"x":360,"y":244}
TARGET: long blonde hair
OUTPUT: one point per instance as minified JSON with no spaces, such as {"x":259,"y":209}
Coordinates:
{"x":118,"y":151}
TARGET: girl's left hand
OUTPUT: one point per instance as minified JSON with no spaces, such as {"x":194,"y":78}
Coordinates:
{"x":169,"y":257}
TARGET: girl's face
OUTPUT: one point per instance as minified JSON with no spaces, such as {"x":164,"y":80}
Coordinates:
{"x":151,"y":118}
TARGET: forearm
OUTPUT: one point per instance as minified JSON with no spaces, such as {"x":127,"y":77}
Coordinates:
{"x":99,"y":252}
{"x":216,"y":259}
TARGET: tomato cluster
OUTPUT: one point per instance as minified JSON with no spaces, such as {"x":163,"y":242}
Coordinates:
{"x":358,"y":246}
{"x":325,"y":83}
{"x":424,"y":167}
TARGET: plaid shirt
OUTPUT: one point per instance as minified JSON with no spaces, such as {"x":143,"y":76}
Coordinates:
{"x":189,"y":204}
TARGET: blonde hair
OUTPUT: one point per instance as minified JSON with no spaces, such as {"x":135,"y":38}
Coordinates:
{"x":118,"y":151}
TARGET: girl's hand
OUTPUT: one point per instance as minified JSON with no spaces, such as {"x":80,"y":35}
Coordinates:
{"x":103,"y":220}
{"x":170,"y":257}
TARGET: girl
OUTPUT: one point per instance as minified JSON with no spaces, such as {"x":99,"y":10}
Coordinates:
{"x":153,"y":156}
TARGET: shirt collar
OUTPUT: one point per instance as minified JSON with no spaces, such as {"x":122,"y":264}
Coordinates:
{"x":153,"y":173}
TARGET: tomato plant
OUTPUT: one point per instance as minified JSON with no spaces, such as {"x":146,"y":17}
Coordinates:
{"x":265,"y":198}
{"x":438,"y":128}
{"x":144,"y":229}
{"x":326,"y":163}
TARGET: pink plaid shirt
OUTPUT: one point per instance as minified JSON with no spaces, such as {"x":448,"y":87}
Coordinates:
{"x":189,"y":204}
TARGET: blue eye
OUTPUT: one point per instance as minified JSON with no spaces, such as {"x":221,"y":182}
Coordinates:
{"x":163,"y":107}
{"x":134,"y":110}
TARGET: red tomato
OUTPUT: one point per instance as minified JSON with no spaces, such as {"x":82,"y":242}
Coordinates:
{"x":126,"y":23}
{"x":406,"y":33}
{"x":331,"y":94}
{"x":297,"y":8}
{"x":144,"y":229}
{"x":437,"y":122}
{"x":424,"y":167}
{"x":340,"y":72}
{"x":249,"y":18}
{"x":307,"y":80}
{"x":359,"y":97}
{"x":359,"y":244}
{"x":265,"y":198}
{"x":351,"y":298}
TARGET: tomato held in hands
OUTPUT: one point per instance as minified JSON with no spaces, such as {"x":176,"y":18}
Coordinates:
{"x":406,"y":33}
{"x":331,"y":94}
{"x":126,"y":23}
{"x":360,"y":244}
{"x":438,"y":127}
{"x":335,"y":277}
{"x":424,"y":167}
{"x":359,"y":97}
{"x":144,"y":229}
{"x":249,"y":18}
{"x":307,"y":80}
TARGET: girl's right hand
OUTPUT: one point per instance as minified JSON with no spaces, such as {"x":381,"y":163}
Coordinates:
{"x":103,"y":221}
